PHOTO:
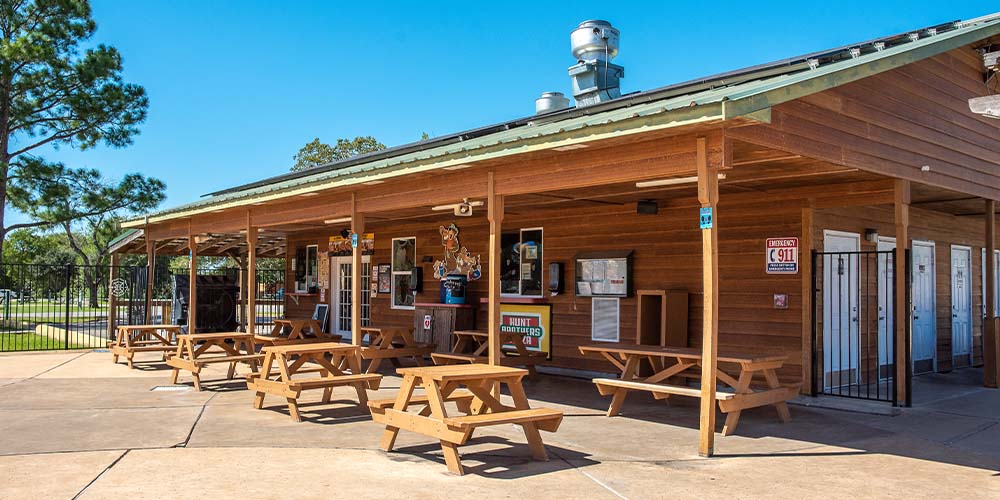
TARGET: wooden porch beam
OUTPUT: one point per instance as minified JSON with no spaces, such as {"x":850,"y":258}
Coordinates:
{"x":805,"y":258}
{"x":358,"y":230}
{"x":991,"y":344}
{"x":113,"y":297}
{"x":495,"y":213}
{"x":193,"y":285}
{"x":708,"y":197}
{"x":150,"y":275}
{"x":251,"y":280}
{"x":901,"y":272}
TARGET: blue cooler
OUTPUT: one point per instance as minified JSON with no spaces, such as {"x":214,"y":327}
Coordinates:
{"x":453,"y":288}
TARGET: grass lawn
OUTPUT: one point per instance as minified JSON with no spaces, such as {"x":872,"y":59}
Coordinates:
{"x":30,"y":342}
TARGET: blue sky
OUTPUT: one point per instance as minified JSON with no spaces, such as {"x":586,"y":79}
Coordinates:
{"x":236,"y":87}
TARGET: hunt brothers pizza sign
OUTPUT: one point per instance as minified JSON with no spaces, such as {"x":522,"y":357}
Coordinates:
{"x":533,"y":322}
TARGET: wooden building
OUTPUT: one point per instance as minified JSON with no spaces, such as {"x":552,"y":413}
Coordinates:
{"x":712,"y":188}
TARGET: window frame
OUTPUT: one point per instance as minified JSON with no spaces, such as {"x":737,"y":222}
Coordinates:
{"x":541,"y":260}
{"x":394,"y":272}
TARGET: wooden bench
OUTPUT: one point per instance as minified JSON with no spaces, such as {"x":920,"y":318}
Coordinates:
{"x":276,"y":376}
{"x":393,"y":344}
{"x":668,"y":362}
{"x":195,"y":351}
{"x":442,"y":383}
{"x":131,"y":339}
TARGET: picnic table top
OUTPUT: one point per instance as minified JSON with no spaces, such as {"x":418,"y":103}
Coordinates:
{"x":679,"y":352}
{"x":149,"y":327}
{"x":293,"y":320}
{"x":309,"y":347}
{"x":214,"y":336}
{"x":446,"y":373}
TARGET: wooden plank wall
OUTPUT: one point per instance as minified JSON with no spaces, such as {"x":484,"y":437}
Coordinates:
{"x":944,"y":230}
{"x":667,"y":256}
{"x":895,"y":123}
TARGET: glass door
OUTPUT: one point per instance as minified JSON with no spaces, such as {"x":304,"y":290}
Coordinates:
{"x":341,"y":296}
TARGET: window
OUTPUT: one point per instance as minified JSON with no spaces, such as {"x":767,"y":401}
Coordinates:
{"x":404,"y":255}
{"x":521,"y":262}
{"x":306,"y":268}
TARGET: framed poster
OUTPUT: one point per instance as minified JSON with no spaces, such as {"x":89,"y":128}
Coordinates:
{"x":533,"y":321}
{"x":384,"y":278}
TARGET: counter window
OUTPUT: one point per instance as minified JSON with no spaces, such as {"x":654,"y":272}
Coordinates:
{"x":521,"y":262}
{"x":404,"y":251}
{"x":306,"y":268}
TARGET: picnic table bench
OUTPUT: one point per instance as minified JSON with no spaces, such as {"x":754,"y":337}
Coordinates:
{"x":472,"y":346}
{"x":480,"y":407}
{"x":342,"y":369}
{"x":143,"y":338}
{"x":194,"y":351}
{"x":294,"y":331}
{"x":670,"y":362}
{"x":392,"y":344}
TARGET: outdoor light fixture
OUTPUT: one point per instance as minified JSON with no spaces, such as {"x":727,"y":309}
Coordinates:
{"x":463,"y":209}
{"x":305,"y":195}
{"x":372,"y":183}
{"x":457,"y":167}
{"x":337,"y":221}
{"x":671,"y":182}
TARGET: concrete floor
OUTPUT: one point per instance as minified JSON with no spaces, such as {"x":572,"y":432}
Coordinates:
{"x":76,"y":426}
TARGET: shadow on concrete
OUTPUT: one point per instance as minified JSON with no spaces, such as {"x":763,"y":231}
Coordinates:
{"x":921,"y":432}
{"x":496,"y":464}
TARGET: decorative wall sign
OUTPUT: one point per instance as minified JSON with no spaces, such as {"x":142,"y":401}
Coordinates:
{"x":457,"y":259}
{"x":705,"y":218}
{"x":343,"y":247}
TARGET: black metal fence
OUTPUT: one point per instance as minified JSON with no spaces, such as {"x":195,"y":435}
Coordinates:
{"x":50,"y":307}
{"x":854,"y":300}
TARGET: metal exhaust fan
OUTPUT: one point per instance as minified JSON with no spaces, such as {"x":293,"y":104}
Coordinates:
{"x":988,"y":106}
{"x":463,"y":209}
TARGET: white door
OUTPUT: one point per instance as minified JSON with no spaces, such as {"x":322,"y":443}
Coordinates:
{"x":886,"y":311}
{"x":961,"y":302}
{"x":924,"y":335}
{"x":341,"y":294}
{"x":841,"y":290}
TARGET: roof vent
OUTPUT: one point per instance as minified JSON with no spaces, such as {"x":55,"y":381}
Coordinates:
{"x":595,"y":79}
{"x":550,"y":102}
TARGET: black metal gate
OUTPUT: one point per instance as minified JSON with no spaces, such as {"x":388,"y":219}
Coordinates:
{"x":45,"y":307}
{"x":854,"y":341}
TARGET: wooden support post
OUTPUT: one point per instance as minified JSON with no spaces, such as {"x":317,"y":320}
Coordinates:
{"x":150,"y":277}
{"x":358,"y":228}
{"x":112,"y":297}
{"x":251,"y":278}
{"x":193,"y":285}
{"x":991,"y":344}
{"x":805,"y":260}
{"x":495,"y":210}
{"x":902,"y":314}
{"x":708,"y":197}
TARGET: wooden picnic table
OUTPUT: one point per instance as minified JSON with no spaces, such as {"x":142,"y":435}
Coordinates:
{"x":292,"y":331}
{"x":143,"y":338}
{"x":472,"y":346}
{"x":481,"y":408}
{"x":283,"y":362}
{"x":392,"y":343}
{"x":670,"y":362}
{"x":194,"y":351}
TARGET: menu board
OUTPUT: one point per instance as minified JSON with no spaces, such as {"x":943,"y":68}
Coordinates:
{"x":604,"y":276}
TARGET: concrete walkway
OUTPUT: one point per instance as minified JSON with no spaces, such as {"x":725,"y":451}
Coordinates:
{"x":76,"y":426}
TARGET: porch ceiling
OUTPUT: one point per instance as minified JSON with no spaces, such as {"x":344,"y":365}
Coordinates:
{"x":270,"y":243}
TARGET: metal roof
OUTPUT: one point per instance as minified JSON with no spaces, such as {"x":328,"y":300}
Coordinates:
{"x":746,"y":92}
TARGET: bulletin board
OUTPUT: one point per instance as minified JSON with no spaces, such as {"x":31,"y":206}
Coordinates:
{"x":604,"y":274}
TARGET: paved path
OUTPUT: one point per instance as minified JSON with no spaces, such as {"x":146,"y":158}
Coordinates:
{"x":74,"y":425}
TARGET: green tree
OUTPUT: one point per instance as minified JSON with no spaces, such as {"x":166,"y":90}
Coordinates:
{"x":86,"y":206}
{"x":316,"y":152}
{"x":55,"y":92}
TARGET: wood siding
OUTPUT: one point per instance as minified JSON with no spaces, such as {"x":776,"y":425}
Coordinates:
{"x":895,"y":123}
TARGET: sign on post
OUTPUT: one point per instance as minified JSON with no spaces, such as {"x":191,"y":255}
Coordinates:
{"x":782,"y":255}
{"x":705,"y":218}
